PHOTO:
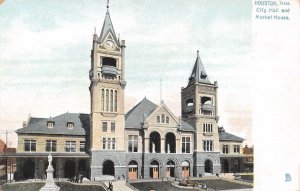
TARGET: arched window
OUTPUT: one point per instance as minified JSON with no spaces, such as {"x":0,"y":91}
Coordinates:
{"x":107,"y":100}
{"x":167,"y":120}
{"x":111,"y":100}
{"x":116,"y":100}
{"x":102,"y":99}
{"x":158,"y":119}
{"x":155,"y":141}
{"x":163,"y":118}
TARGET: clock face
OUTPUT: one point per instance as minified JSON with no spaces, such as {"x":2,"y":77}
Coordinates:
{"x":109,"y":44}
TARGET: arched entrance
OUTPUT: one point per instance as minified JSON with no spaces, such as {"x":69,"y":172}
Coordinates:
{"x":29,"y":169}
{"x":208,"y":168}
{"x":225,"y":166}
{"x":154,"y":169}
{"x":170,"y":146}
{"x":170,"y":169}
{"x":69,"y":169}
{"x":132,"y":170}
{"x":154,"y":146}
{"x":108,"y":168}
{"x":185,"y":169}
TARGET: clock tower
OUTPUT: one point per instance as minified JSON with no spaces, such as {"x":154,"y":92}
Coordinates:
{"x":107,"y":101}
{"x":200,"y":109}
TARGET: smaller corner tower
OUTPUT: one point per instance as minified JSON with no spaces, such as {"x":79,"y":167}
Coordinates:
{"x":199,"y":108}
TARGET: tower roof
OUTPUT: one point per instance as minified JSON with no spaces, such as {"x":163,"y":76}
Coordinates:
{"x":107,"y":27}
{"x":198,"y":73}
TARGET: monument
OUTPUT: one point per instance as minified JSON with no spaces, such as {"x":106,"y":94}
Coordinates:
{"x":50,"y":185}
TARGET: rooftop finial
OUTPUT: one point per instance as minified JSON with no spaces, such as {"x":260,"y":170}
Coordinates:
{"x":95,"y":31}
{"x":161,"y":100}
{"x":197,"y":53}
{"x":107,"y":6}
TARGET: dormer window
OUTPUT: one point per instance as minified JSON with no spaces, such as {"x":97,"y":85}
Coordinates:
{"x":70,"y":125}
{"x":50,"y":124}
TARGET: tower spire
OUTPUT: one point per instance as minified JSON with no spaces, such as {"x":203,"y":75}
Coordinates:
{"x":198,"y":74}
{"x":107,"y":27}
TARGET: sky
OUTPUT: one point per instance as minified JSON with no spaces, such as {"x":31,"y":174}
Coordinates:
{"x":45,"y":55}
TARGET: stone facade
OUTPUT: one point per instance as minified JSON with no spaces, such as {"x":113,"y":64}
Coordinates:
{"x":147,"y":142}
{"x":150,"y":140}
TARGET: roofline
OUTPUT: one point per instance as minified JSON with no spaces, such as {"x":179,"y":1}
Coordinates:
{"x":230,"y":140}
{"x":49,"y":134}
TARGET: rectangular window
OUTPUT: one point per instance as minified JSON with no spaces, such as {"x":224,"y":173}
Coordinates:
{"x":116,"y":100}
{"x":104,"y":126}
{"x":108,"y":143}
{"x":113,"y":143}
{"x":30,"y":145}
{"x":186,"y":144}
{"x":208,"y":145}
{"x":50,"y":146}
{"x":82,"y":146}
{"x":113,"y":127}
{"x":236,"y":149}
{"x":107,"y":100}
{"x":111,"y":100}
{"x":207,"y":127}
{"x":102,"y":99}
{"x":70,"y":146}
{"x":104,"y":143}
{"x":132,"y":143}
{"x":225,"y":149}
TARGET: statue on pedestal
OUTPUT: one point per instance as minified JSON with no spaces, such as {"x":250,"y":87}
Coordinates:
{"x":50,"y":185}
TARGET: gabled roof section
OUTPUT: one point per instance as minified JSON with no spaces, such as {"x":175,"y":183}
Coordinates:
{"x":136,"y":115}
{"x":198,"y":73}
{"x":162,"y":106}
{"x":107,"y":28}
{"x":39,"y":125}
{"x":224,"y":136}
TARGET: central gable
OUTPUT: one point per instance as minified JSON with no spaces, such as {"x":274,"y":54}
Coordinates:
{"x":162,"y":117}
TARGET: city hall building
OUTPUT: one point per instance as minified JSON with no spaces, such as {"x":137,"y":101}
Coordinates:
{"x":148,"y":141}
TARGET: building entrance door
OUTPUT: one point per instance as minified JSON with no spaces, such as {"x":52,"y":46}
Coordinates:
{"x":170,"y":172}
{"x":154,"y":169}
{"x":185,"y":172}
{"x":132,"y":170}
{"x":155,"y":172}
{"x":185,"y":169}
{"x":132,"y":173}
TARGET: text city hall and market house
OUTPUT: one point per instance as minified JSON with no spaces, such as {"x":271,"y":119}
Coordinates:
{"x":149,"y":141}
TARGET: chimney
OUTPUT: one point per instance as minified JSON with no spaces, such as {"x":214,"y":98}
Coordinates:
{"x":24,"y":124}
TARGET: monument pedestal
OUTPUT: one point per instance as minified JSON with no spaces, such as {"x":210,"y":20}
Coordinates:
{"x":50,"y":185}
